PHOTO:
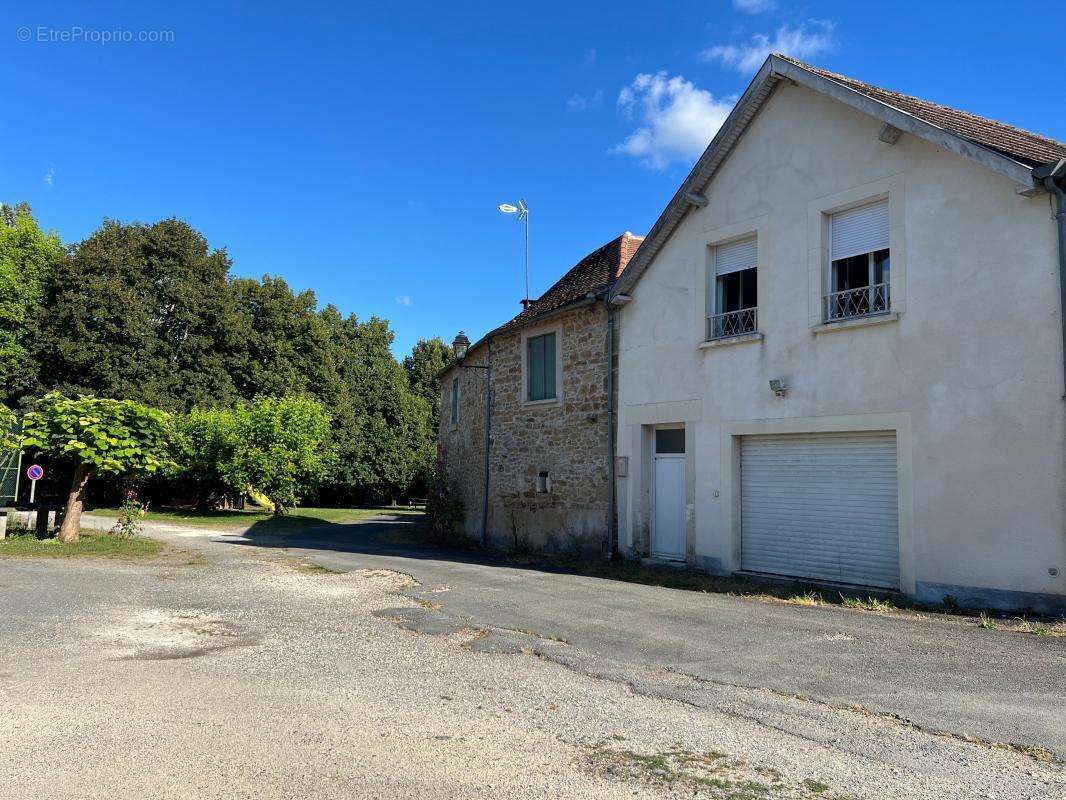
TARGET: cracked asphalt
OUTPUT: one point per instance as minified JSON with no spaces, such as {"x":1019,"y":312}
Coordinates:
{"x":421,"y":674}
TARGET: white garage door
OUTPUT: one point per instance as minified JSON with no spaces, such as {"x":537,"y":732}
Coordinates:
{"x":821,"y":506}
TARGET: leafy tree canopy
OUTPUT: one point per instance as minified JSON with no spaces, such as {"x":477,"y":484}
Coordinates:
{"x":28,"y":259}
{"x":108,"y":436}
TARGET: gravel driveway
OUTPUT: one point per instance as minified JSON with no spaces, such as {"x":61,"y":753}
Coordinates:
{"x":256,"y":675}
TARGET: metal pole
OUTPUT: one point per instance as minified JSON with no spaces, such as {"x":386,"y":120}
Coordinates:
{"x":33,"y":488}
{"x":527,"y":255}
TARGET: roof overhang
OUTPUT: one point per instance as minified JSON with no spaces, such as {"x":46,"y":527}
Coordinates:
{"x":774,"y":70}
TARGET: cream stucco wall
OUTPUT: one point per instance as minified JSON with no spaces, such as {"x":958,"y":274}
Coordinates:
{"x":969,"y":373}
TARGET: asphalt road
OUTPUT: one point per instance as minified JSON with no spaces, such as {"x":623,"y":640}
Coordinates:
{"x":937,"y":674}
{"x":413,"y":674}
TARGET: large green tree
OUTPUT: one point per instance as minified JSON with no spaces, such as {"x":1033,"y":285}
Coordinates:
{"x":428,"y":357}
{"x":101,"y":436}
{"x":143,"y":312}
{"x":29,"y":258}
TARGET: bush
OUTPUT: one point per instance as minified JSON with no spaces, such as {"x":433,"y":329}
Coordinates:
{"x":444,"y":510}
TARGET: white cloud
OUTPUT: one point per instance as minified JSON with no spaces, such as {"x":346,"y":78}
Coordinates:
{"x":403,"y":300}
{"x":677,"y":119}
{"x":754,"y":6}
{"x":580,"y":102}
{"x":803,"y":42}
{"x":50,"y":175}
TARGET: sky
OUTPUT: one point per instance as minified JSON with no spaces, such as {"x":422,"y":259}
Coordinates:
{"x":361,"y":150}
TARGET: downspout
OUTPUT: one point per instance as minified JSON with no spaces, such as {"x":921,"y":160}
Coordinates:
{"x":488,"y":446}
{"x":611,"y":548}
{"x":1053,"y":178}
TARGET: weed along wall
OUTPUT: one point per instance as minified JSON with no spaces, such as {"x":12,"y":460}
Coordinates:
{"x":548,"y":477}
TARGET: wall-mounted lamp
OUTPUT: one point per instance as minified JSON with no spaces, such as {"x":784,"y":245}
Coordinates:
{"x":777,"y":386}
{"x":460,"y":345}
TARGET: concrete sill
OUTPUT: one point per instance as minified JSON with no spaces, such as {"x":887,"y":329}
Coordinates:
{"x":858,"y":322}
{"x":551,"y":401}
{"x":729,"y":340}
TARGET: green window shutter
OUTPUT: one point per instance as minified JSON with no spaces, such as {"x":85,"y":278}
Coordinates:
{"x":549,"y":365}
{"x":540,"y":367}
{"x":455,"y":400}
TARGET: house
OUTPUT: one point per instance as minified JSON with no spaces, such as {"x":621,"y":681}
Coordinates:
{"x":542,"y":447}
{"x":841,"y":350}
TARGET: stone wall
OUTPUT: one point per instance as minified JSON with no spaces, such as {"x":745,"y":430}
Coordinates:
{"x":567,"y":439}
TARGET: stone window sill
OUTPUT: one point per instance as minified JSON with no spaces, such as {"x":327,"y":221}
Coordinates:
{"x":730,"y":340}
{"x":858,"y":322}
{"x":551,"y":401}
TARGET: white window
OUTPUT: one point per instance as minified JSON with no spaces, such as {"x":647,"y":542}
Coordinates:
{"x":859,"y":263}
{"x":735,"y":301}
{"x":455,"y":401}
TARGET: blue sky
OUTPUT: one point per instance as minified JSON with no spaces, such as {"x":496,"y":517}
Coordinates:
{"x":361,"y":151}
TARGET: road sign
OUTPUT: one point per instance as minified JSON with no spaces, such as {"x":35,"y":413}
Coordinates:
{"x":35,"y":472}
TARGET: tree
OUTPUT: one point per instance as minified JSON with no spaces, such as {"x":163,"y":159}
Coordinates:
{"x":281,"y":448}
{"x":143,"y":312}
{"x":29,"y":258}
{"x":205,"y":442}
{"x":8,"y":438}
{"x":428,"y":357}
{"x":101,"y":436}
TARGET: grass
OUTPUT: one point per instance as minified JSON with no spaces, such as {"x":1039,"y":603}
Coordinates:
{"x":711,"y":774}
{"x":92,"y":544}
{"x":295,"y":519}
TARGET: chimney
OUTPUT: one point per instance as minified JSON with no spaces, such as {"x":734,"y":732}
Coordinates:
{"x":627,"y":246}
{"x":525,"y":303}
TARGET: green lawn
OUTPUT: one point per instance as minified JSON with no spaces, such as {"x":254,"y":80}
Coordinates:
{"x":92,"y":544}
{"x":294,"y":519}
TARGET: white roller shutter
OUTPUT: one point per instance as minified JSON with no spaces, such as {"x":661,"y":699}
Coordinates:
{"x":859,"y":230}
{"x":821,"y":506}
{"x":735,"y":256}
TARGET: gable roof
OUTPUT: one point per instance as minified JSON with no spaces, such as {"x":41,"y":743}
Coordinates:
{"x":594,"y":274}
{"x":1010,"y":151}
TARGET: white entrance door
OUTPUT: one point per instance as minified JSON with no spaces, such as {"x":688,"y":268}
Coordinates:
{"x":668,"y":494}
{"x":822,"y":506}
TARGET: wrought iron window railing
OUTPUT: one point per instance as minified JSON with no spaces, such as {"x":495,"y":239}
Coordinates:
{"x":732,"y":323}
{"x":865,"y":301}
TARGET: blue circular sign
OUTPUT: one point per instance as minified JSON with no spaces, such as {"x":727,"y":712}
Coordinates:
{"x":35,"y":472}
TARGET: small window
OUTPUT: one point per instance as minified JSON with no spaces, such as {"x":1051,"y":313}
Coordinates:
{"x":455,"y":401}
{"x":859,"y":263}
{"x":736,"y":289}
{"x":540,"y":367}
{"x":669,"y":440}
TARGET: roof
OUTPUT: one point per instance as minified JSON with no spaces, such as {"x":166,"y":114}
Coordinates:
{"x":1010,"y":151}
{"x":592,"y":275}
{"x":1007,"y":139}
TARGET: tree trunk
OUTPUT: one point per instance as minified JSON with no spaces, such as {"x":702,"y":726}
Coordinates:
{"x":71,"y":530}
{"x":279,"y":509}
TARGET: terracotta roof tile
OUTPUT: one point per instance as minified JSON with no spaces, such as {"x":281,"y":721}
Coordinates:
{"x":1021,"y":145}
{"x":592,"y":274}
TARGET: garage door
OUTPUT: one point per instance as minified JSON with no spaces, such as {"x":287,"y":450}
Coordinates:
{"x":821,"y":506}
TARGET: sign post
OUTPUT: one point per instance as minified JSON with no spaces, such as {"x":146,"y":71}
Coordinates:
{"x":34,"y":473}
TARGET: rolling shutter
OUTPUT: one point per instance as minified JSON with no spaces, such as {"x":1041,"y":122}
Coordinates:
{"x":821,"y":506}
{"x":735,"y":256}
{"x":859,"y":230}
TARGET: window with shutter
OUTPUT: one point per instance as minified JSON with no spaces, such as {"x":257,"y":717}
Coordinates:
{"x":540,"y":367}
{"x":455,"y":401}
{"x":736,"y":289}
{"x":859,"y":269}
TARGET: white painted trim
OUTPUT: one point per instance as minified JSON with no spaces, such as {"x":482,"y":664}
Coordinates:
{"x":663,"y":413}
{"x":818,"y":213}
{"x":730,"y":340}
{"x":732,"y":431}
{"x":855,"y":322}
{"x":530,"y":333}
